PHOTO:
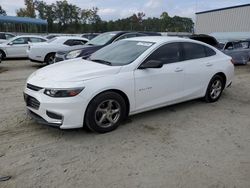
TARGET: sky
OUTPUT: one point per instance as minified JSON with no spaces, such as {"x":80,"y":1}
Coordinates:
{"x":114,"y":9}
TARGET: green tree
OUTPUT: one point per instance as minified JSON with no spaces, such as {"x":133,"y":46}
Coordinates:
{"x":28,"y":11}
{"x":2,"y":11}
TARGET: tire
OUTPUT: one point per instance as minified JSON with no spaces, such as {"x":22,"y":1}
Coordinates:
{"x":2,"y":54}
{"x":214,"y":89}
{"x":105,"y":112}
{"x":49,"y":59}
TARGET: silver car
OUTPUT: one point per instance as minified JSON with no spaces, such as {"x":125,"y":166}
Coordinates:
{"x":238,"y":50}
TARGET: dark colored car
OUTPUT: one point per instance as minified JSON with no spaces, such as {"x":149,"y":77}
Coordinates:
{"x":206,"y":39}
{"x":90,"y":36}
{"x":99,"y":42}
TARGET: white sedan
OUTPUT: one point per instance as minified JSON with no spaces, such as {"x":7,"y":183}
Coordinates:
{"x":45,"y":53}
{"x":125,"y":78}
{"x":16,"y":47}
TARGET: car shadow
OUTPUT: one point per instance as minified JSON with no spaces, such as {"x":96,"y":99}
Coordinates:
{"x":127,"y":124}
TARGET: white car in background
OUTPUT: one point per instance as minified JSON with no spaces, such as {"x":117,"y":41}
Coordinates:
{"x":16,"y":47}
{"x":124,"y":78}
{"x":5,"y":36}
{"x":45,"y":53}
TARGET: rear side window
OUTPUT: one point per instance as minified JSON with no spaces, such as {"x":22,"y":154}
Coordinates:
{"x":209,"y":51}
{"x":34,"y":39}
{"x":168,"y":53}
{"x":193,"y":51}
{"x":78,"y":42}
{"x":68,"y":42}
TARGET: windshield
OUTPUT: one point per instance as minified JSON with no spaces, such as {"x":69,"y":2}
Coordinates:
{"x":120,"y":53}
{"x":101,"y":39}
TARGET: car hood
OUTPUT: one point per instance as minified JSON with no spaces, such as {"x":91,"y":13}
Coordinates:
{"x":76,"y":70}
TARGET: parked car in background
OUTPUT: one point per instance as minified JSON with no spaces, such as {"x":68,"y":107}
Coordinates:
{"x":90,"y":36}
{"x":5,"y":36}
{"x":16,"y":47}
{"x":45,"y":53}
{"x":238,"y":50}
{"x":206,"y":39}
{"x":51,"y":36}
{"x":124,"y":78}
{"x":99,"y":42}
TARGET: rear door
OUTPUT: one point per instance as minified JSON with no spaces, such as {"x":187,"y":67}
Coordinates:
{"x":198,"y":67}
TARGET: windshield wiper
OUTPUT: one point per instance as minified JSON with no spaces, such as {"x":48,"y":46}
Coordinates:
{"x":101,"y":61}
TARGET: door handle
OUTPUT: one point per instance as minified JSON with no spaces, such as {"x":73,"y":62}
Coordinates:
{"x":178,"y":69}
{"x":209,"y":64}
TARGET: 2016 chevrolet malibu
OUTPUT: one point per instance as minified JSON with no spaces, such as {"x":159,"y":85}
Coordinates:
{"x":127,"y":77}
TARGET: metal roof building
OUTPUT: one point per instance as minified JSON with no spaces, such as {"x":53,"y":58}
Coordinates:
{"x":230,"y":19}
{"x":22,"y":24}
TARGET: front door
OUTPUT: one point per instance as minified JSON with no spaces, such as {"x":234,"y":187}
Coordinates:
{"x":160,"y":86}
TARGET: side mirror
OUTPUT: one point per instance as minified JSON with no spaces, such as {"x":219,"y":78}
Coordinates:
{"x":151,"y":64}
{"x":10,"y":43}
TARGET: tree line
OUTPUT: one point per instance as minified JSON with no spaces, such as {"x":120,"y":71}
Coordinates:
{"x":63,"y":16}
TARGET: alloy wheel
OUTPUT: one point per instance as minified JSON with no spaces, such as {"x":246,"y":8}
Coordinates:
{"x":216,"y":89}
{"x":107,"y":113}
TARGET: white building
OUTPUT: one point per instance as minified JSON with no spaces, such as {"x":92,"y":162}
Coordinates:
{"x":230,"y":19}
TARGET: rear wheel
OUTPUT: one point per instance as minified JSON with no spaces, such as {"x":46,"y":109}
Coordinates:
{"x":105,"y":112}
{"x":215,"y":89}
{"x":2,"y":54}
{"x":50,"y":58}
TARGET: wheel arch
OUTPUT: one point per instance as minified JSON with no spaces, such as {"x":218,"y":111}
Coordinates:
{"x":4,"y":53}
{"x":118,"y":91}
{"x":224,"y":78}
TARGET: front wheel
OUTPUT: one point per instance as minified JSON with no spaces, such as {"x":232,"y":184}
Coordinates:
{"x":105,"y":112}
{"x":215,"y":88}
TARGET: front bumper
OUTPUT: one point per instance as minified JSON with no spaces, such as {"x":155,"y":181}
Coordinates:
{"x":64,"y":113}
{"x":40,"y":120}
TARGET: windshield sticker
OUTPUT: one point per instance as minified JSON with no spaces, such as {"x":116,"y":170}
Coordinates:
{"x":144,"y":44}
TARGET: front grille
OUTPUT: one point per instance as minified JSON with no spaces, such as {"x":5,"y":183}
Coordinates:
{"x":34,"y":88}
{"x":32,"y":102}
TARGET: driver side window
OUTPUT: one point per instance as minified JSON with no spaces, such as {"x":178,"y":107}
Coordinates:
{"x":168,"y":53}
{"x":20,"y":41}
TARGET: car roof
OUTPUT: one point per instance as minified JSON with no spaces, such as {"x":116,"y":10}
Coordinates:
{"x":30,"y":36}
{"x":70,"y":37}
{"x":160,"y":39}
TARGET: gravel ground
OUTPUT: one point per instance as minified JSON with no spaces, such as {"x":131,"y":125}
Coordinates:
{"x":192,"y":144}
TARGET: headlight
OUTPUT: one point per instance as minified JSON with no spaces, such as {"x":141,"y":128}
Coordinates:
{"x":63,"y":92}
{"x":73,"y":54}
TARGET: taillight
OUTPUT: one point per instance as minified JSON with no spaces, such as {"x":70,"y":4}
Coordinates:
{"x":232,"y":61}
